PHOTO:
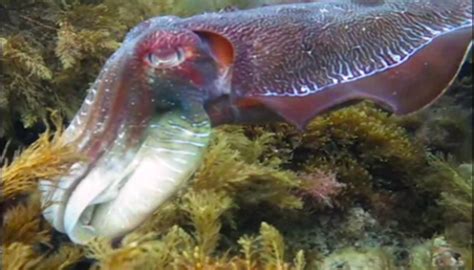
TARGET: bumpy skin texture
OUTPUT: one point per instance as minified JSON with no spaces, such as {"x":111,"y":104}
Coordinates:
{"x":293,"y":59}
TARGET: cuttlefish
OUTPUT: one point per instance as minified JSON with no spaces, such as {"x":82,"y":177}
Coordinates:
{"x":147,"y":119}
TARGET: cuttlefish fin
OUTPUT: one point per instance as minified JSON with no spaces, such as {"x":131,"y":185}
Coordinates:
{"x":408,"y":87}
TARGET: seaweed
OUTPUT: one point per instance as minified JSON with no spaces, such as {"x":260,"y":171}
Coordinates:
{"x":52,"y":49}
{"x":233,"y":165}
{"x":365,"y":147}
{"x":202,"y":226}
{"x":18,"y":255}
{"x":179,"y":250}
{"x":204,"y":210}
{"x":47,"y":158}
{"x":320,"y":187}
{"x":453,"y":184}
{"x":189,"y":227}
{"x":45,"y":48}
{"x":23,"y":224}
{"x":446,"y":127}
{"x":347,"y":181}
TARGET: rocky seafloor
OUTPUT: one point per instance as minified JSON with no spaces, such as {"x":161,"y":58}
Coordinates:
{"x":394,"y":193}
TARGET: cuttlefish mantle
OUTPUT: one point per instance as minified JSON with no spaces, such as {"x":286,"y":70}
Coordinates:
{"x":146,"y":121}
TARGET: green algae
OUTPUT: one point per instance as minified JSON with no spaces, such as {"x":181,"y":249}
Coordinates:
{"x":389,"y":197}
{"x":217,"y":221}
{"x":51,"y":49}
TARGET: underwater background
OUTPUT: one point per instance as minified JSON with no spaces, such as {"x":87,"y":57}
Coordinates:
{"x":394,"y":193}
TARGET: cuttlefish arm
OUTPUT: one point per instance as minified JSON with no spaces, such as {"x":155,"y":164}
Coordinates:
{"x":146,"y":122}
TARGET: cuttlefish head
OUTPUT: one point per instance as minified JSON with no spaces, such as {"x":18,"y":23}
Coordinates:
{"x":142,"y":131}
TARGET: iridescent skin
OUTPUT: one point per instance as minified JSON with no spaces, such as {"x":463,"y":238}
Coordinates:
{"x":299,"y":60}
{"x":277,"y":63}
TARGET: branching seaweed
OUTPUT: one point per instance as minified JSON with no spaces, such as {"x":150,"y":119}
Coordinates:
{"x":50,"y":50}
{"x":233,"y":165}
{"x":23,"y":224}
{"x":48,"y":158}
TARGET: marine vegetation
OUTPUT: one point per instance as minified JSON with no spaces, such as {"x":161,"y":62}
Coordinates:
{"x":51,"y":49}
{"x":152,"y":106}
{"x":359,"y":189}
{"x":253,"y":177}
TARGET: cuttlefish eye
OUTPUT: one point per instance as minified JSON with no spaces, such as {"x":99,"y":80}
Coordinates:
{"x":165,"y":58}
{"x":142,"y":131}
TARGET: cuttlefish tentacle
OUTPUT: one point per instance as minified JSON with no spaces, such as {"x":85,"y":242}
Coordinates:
{"x":119,"y":133}
{"x":146,"y":122}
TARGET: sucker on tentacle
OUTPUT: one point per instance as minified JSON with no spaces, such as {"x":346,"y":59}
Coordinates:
{"x":145,"y":124}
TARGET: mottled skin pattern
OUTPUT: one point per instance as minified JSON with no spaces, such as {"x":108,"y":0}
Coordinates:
{"x":283,"y":56}
{"x":177,"y":76}
{"x":302,"y":49}
{"x":299,"y":49}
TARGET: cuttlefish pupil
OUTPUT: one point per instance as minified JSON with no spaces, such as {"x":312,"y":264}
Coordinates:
{"x":146,"y":122}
